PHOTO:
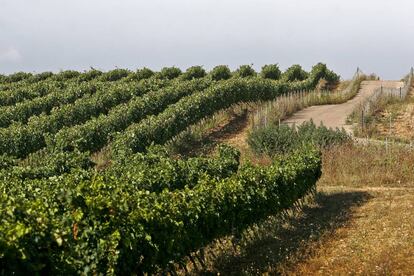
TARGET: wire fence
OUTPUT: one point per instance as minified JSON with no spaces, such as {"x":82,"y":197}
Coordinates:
{"x":400,"y":93}
{"x":365,"y":124}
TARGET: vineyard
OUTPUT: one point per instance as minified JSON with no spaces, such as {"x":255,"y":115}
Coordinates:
{"x":146,"y":211}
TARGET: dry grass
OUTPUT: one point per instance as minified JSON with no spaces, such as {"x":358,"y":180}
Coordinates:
{"x":402,"y":120}
{"x":378,"y":240}
{"x":368,"y":166}
{"x":392,"y":119}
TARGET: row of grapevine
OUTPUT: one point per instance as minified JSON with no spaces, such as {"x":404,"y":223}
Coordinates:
{"x":176,"y":118}
{"x":20,"y":140}
{"x":156,"y":171}
{"x":73,"y":225}
{"x":45,"y":165}
{"x":21,"y":112}
{"x":95,"y":133}
{"x":27,"y":85}
{"x":30,"y":92}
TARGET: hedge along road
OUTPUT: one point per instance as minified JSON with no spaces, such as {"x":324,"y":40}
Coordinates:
{"x":334,"y":115}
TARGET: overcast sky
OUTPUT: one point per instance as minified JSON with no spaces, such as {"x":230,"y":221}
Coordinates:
{"x":42,"y":35}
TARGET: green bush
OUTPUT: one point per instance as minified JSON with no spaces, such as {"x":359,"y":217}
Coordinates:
{"x":194,"y":72}
{"x":245,"y":71}
{"x":40,"y":77}
{"x":7,"y":161}
{"x":169,"y":73}
{"x":115,"y":75}
{"x":321,"y":71}
{"x":66,"y":75}
{"x":89,"y":75}
{"x":144,"y":73}
{"x":220,"y":72}
{"x":18,"y":76}
{"x":270,"y":71}
{"x":295,"y":73}
{"x":273,"y":140}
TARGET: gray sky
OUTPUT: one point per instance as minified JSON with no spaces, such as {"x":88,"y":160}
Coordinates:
{"x":41,"y":35}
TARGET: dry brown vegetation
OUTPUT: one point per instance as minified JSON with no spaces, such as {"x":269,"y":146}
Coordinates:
{"x":393,"y":120}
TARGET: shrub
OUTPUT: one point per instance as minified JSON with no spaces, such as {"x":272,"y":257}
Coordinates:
{"x":220,"y":72}
{"x":273,"y":140}
{"x":245,"y":71}
{"x":66,"y":75}
{"x":295,"y":72}
{"x":90,"y":75}
{"x":115,"y":75}
{"x":144,"y":73}
{"x":270,"y":71}
{"x":169,"y":73}
{"x":194,"y":72}
{"x":40,"y":77}
{"x":19,"y":76}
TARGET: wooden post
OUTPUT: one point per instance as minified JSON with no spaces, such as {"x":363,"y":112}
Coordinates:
{"x":362,"y":119}
{"x":390,"y":125}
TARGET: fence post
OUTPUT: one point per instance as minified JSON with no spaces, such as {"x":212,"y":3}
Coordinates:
{"x":362,"y":119}
{"x":386,"y":145}
{"x":390,"y":124}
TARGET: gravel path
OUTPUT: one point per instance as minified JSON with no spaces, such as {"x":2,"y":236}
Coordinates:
{"x":334,"y":115}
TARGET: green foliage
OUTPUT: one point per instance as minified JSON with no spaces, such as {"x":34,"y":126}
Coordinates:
{"x":321,"y":71}
{"x":89,"y":75}
{"x":7,"y":162}
{"x":46,"y":164}
{"x":144,"y":73}
{"x":295,"y":73}
{"x":220,"y":72}
{"x":115,"y":75}
{"x":156,"y":171}
{"x":96,"y":133}
{"x":194,"y":72}
{"x":189,"y":110}
{"x":29,"y":92}
{"x":66,"y":75}
{"x":23,"y":111}
{"x":169,"y":73}
{"x":18,"y":76}
{"x":145,"y":211}
{"x":271,"y":71}
{"x":40,"y":77}
{"x":245,"y":71}
{"x":78,"y":224}
{"x":20,"y":140}
{"x":3,"y":79}
{"x":273,"y":140}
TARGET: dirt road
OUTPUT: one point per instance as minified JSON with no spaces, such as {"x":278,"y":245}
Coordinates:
{"x":335,"y":115}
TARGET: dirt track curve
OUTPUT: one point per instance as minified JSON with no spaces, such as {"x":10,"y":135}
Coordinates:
{"x":334,"y":115}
